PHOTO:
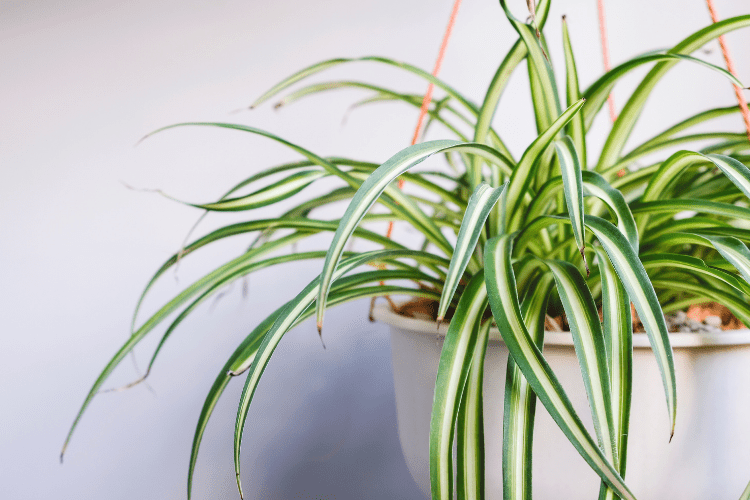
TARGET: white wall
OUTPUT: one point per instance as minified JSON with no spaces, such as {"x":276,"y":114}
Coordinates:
{"x":81,"y":81}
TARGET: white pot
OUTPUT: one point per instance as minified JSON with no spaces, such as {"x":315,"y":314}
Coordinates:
{"x":709,"y":457}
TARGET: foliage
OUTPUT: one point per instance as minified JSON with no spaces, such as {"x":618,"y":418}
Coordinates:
{"x":510,"y":236}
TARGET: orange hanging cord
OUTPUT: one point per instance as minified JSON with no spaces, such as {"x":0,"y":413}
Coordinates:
{"x":605,"y":54}
{"x":426,"y":100}
{"x":730,"y":67}
{"x":428,"y":95}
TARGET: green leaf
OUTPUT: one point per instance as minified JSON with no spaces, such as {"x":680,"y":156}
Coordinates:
{"x":588,"y":339}
{"x":746,"y":494}
{"x":678,"y":205}
{"x":666,"y":177}
{"x":268,"y":195}
{"x":499,"y":81}
{"x":520,"y":401}
{"x":575,"y":128}
{"x":524,"y":171}
{"x":599,"y":90}
{"x":618,"y":335}
{"x":245,"y":352}
{"x":641,"y":293}
{"x":659,"y":261}
{"x":503,"y":299}
{"x":631,"y":111}
{"x":470,"y":425}
{"x":394,"y":200}
{"x":538,"y":60}
{"x":734,"y":251}
{"x":284,"y":322}
{"x":480,"y":204}
{"x":573,"y":185}
{"x":374,"y":186}
{"x":453,"y":371}
{"x":324,"y":65}
{"x":689,"y":123}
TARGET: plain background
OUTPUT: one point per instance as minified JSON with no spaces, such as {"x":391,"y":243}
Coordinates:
{"x":82,"y":81}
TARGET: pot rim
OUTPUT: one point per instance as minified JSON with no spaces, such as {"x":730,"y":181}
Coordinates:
{"x":640,"y":341}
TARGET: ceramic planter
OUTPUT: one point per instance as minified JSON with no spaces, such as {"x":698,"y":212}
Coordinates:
{"x":709,"y":457}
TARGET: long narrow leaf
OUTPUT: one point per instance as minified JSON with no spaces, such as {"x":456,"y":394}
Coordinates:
{"x":523,"y":173}
{"x":470,"y":425}
{"x":641,"y":293}
{"x":480,"y":204}
{"x":520,"y":401}
{"x":453,"y":371}
{"x":588,"y":339}
{"x":618,"y":334}
{"x":575,"y":128}
{"x":503,"y":299}
{"x":374,"y":186}
{"x":573,"y":186}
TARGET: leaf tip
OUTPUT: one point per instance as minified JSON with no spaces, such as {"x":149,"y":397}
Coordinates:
{"x":320,"y":328}
{"x":439,"y":321}
{"x":585,"y":262}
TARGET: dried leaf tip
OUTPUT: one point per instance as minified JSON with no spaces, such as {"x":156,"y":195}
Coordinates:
{"x":321,"y":340}
{"x":320,"y":328}
{"x":585,"y":263}
{"x":439,"y":321}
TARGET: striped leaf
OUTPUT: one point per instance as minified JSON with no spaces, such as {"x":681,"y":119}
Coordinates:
{"x":503,"y":300}
{"x":593,"y":185}
{"x":520,"y":401}
{"x":547,"y":102}
{"x":499,"y":81}
{"x":666,"y":177}
{"x":635,"y":280}
{"x":630,"y":113}
{"x":588,"y":339}
{"x":283,"y":323}
{"x":575,"y":129}
{"x":599,"y":90}
{"x":480,"y":204}
{"x":524,"y":171}
{"x":734,"y":251}
{"x":618,"y":335}
{"x":394,"y":200}
{"x":374,"y":186}
{"x":470,"y":425}
{"x":453,"y":371}
{"x":573,"y":186}
{"x":247,"y":350}
{"x":694,"y":265}
{"x":268,"y":195}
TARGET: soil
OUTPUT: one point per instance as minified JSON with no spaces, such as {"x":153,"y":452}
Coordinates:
{"x":708,"y":317}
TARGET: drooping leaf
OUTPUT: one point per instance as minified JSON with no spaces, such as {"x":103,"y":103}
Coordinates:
{"x":480,"y":204}
{"x":641,"y":293}
{"x":520,"y":401}
{"x":470,"y":464}
{"x":618,"y":334}
{"x":453,"y":371}
{"x":573,"y":186}
{"x":503,"y":299}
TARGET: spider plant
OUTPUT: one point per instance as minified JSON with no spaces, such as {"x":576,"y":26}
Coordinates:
{"x":503,"y":241}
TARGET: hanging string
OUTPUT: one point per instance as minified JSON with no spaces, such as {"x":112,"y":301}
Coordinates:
{"x":730,"y":67}
{"x":427,"y":99}
{"x":605,"y":55}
